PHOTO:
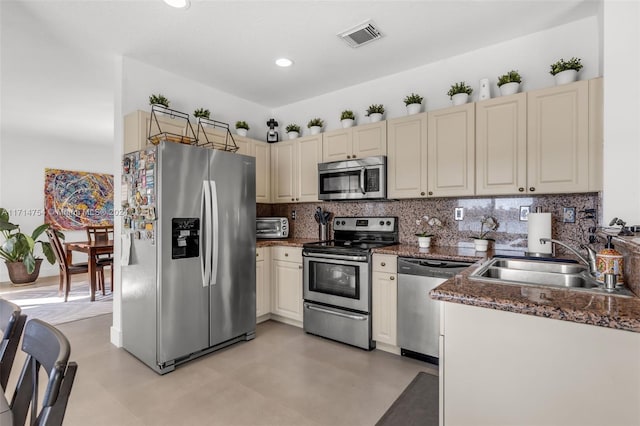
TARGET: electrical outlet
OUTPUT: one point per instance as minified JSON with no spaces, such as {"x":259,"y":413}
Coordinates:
{"x":458,"y":213}
{"x":293,"y":215}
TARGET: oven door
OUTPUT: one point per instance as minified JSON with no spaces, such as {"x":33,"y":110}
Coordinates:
{"x":336,"y":280}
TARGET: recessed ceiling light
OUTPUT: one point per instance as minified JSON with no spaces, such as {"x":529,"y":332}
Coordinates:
{"x":178,"y":4}
{"x":284,"y":62}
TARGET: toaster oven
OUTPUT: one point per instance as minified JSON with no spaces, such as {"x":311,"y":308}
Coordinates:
{"x":272,"y":227}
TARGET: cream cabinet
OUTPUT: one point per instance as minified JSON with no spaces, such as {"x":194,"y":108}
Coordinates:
{"x":596,"y":134}
{"x":501,"y":145}
{"x":286,"y":280}
{"x":362,"y":141}
{"x":137,"y":124}
{"x":451,"y":151}
{"x":384,"y":299}
{"x":295,"y":169}
{"x":407,"y":157}
{"x":244,"y":145}
{"x":558,"y":139}
{"x":263,"y":283}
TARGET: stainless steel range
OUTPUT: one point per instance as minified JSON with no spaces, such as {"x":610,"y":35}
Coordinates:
{"x":337,"y":288}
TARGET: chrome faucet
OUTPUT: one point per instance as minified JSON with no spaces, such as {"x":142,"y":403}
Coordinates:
{"x":591,"y":253}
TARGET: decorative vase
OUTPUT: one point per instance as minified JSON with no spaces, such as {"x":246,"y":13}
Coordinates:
{"x":509,"y":88}
{"x":567,"y":76}
{"x":375,"y":117}
{"x":241,"y":132}
{"x":346,"y":123}
{"x":18,"y":272}
{"x":424,"y":242}
{"x":481,"y":245}
{"x":413,"y":109}
{"x":460,"y":98}
{"x":293,"y":135}
{"x":315,"y":129}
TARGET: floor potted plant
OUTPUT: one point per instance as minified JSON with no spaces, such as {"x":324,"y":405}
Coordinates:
{"x":17,"y":250}
{"x":459,"y":93}
{"x":347,"y":118}
{"x":201,"y":112}
{"x":315,"y":125}
{"x":566,"y":71}
{"x":293,"y":131}
{"x":481,"y":240}
{"x":242,"y":128}
{"x":424,"y":236}
{"x":413,"y":102}
{"x":509,"y":83}
{"x":374,"y":112}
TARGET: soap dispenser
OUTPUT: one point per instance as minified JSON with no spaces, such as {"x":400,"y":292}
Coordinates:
{"x":609,"y":261}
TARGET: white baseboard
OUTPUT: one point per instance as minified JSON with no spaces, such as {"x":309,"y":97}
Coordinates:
{"x":116,"y":337}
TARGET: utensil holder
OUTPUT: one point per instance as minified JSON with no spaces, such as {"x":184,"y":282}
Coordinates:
{"x":323,"y":232}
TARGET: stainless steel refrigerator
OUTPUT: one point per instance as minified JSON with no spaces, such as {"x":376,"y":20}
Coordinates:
{"x":188,"y":267}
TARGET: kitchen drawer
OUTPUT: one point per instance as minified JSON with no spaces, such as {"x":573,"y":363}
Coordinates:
{"x":288,"y":254}
{"x":385,"y":263}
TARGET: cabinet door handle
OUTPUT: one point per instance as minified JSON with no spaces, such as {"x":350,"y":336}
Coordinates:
{"x":257,"y":255}
{"x":292,"y":199}
{"x":430,"y":193}
{"x":297,"y":199}
{"x":286,"y":255}
{"x":521,"y":189}
{"x":353,"y":156}
{"x":383,"y":264}
{"x":299,"y":266}
{"x":532,"y":189}
{"x":422,"y":193}
{"x":392,"y":278}
{"x":348,"y":157}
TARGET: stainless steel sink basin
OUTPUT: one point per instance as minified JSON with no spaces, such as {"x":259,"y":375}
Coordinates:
{"x":542,"y":273}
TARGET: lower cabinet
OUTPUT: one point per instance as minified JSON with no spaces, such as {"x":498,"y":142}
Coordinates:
{"x":286,"y":281}
{"x":384,"y":297}
{"x":263,"y":284}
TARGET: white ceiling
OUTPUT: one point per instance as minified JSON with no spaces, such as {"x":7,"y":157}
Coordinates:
{"x":65,"y":49}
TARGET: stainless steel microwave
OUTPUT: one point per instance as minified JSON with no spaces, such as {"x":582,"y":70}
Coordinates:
{"x":360,"y":179}
{"x":272,"y":227}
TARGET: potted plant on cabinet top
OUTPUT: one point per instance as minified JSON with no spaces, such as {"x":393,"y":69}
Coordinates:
{"x":481,"y":240}
{"x":159,"y":100}
{"x":459,"y":93}
{"x":201,"y":112}
{"x":374,"y":112}
{"x":315,"y":125}
{"x":241,"y":128}
{"x":509,"y":83}
{"x":17,"y":250}
{"x":566,"y":71}
{"x":413,"y":103}
{"x":347,"y":118}
{"x":424,"y":236}
{"x":293,"y":131}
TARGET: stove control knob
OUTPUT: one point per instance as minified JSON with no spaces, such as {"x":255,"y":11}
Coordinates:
{"x":388,"y":222}
{"x":337,"y":222}
{"x":344,"y":223}
{"x":381,"y":222}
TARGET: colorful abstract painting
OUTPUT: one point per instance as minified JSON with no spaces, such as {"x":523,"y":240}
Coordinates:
{"x":74,"y":200}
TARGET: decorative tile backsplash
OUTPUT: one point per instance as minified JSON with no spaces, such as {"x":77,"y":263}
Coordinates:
{"x":512,"y":233}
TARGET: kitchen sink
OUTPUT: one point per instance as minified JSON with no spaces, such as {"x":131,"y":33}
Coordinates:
{"x":542,"y":273}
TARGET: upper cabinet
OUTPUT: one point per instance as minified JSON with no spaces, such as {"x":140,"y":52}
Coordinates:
{"x":355,"y":142}
{"x":451,"y":151}
{"x":136,"y":129}
{"x":501,"y":145}
{"x":262,"y":153}
{"x":295,"y":169}
{"x":596,"y":134}
{"x":407,"y":157}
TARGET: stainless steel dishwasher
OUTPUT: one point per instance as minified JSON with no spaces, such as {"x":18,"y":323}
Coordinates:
{"x":418,"y":314}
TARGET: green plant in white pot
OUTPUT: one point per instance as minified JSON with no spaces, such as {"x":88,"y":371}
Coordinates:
{"x":315,"y":125}
{"x":459,"y":93}
{"x":566,"y":71}
{"x":374,"y":112}
{"x":509,"y":83}
{"x":242,"y":128}
{"x":293,"y":131}
{"x":159,"y":99}
{"x":413,"y":102}
{"x":347,"y":118}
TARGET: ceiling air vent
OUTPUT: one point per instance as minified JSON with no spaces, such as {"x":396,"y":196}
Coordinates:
{"x":361,"y":34}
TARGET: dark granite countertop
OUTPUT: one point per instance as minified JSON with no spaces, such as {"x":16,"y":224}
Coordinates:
{"x":616,"y":312}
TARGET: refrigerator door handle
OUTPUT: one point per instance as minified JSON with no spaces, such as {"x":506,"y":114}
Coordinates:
{"x":205,"y":243}
{"x":215,"y":231}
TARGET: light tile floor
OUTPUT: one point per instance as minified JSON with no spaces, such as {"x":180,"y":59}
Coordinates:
{"x":283,"y":377}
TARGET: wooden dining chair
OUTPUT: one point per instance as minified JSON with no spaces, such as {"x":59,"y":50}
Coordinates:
{"x":11,"y":325}
{"x":102,"y":234}
{"x":66,"y":269}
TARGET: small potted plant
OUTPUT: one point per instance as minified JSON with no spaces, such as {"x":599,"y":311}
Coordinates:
{"x":241,"y":128}
{"x":566,"y":71}
{"x":509,"y":83}
{"x":413,"y":103}
{"x":347,"y":118}
{"x":459,"y":93}
{"x":424,"y":236}
{"x":374,"y":112}
{"x":315,"y":125}
{"x":17,"y":250}
{"x":481,"y":241}
{"x":159,"y":100}
{"x":201,"y":112}
{"x":293,"y":131}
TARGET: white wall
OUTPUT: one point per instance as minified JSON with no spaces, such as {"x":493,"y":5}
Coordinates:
{"x":621,"y":195}
{"x":530,"y":55}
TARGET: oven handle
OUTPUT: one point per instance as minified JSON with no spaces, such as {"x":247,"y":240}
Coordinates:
{"x":362,"y":180}
{"x":335,"y":256}
{"x":336,"y":313}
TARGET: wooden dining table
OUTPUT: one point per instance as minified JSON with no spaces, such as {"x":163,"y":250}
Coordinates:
{"x":91,"y":248}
